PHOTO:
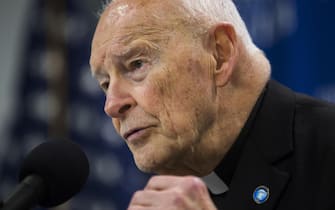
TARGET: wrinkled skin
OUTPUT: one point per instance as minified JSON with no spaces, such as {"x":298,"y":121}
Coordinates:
{"x":172,"y":193}
{"x":161,"y":79}
{"x":158,"y":83}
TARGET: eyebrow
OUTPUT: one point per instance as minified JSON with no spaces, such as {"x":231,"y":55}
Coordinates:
{"x":138,"y":47}
{"x":99,"y":74}
{"x":135,"y":48}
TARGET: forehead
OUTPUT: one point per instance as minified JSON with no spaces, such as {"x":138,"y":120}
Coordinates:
{"x":124,"y":20}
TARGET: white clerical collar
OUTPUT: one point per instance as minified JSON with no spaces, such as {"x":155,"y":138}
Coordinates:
{"x":215,"y":184}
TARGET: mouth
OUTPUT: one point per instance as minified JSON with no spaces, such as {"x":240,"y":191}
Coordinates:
{"x":134,"y":132}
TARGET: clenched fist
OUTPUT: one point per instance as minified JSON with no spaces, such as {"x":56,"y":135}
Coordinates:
{"x":172,"y":192}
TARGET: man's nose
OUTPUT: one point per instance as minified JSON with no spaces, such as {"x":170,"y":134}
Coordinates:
{"x":118,"y":103}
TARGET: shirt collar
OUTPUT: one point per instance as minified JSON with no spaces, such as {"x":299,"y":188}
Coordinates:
{"x":215,"y":184}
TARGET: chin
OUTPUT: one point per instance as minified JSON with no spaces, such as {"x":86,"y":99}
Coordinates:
{"x":162,"y":167}
{"x":157,"y":158}
{"x":150,"y":164}
{"x":147,"y":168}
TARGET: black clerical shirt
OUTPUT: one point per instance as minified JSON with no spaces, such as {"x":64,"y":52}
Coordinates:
{"x":225,"y":170}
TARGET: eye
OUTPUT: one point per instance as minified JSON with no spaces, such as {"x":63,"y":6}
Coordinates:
{"x":104,"y":86}
{"x":136,"y":64}
{"x":137,"y":68}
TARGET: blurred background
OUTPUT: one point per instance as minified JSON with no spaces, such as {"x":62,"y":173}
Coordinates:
{"x":46,"y":89}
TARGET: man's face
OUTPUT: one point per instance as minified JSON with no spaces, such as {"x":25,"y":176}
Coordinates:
{"x":158,"y":84}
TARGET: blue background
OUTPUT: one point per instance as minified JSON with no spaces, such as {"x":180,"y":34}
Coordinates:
{"x":296,"y":35}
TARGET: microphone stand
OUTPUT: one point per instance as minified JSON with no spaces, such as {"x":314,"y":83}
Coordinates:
{"x":26,"y":195}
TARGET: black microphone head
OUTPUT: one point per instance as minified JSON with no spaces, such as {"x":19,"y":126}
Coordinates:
{"x":62,"y":165}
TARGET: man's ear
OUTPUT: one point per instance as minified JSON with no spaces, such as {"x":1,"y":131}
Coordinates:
{"x":223,"y":44}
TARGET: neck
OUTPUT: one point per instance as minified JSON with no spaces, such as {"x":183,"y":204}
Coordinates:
{"x":236,"y":101}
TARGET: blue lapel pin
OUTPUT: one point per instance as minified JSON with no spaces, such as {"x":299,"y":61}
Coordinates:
{"x":261,"y":194}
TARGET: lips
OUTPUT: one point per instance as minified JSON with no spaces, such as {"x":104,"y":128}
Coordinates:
{"x":133,"y":131}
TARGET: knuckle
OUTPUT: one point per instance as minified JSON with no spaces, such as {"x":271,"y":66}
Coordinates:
{"x":132,"y":208}
{"x":153,"y":180}
{"x":195,"y":184}
{"x":136,"y":196}
{"x":178,"y":198}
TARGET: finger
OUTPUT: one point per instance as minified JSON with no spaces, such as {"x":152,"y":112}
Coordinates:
{"x":145,"y":198}
{"x":136,"y":207}
{"x":189,"y":184}
{"x":163,"y":182}
{"x":166,"y":199}
{"x":170,"y":192}
{"x":133,"y":207}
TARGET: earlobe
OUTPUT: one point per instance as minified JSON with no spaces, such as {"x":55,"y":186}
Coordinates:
{"x":224,"y":47}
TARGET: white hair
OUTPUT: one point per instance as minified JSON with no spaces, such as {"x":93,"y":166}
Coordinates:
{"x":216,"y":11}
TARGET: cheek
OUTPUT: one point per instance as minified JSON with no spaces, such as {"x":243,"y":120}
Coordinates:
{"x":175,"y":98}
{"x":116,"y":124}
{"x":155,"y":155}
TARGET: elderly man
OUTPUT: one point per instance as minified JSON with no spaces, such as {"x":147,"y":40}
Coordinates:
{"x":190,"y":94}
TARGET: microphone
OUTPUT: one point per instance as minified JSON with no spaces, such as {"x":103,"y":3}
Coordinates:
{"x":51,"y":174}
